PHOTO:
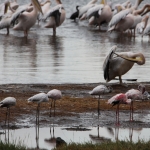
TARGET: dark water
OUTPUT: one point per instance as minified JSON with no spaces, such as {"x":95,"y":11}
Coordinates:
{"x":74,"y":55}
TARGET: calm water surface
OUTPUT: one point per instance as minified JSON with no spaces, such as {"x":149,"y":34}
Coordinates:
{"x":75,"y":55}
{"x":45,"y":139}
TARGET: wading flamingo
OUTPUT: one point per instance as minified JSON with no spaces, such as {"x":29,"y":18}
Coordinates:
{"x":8,"y":102}
{"x":134,"y":94}
{"x":38,"y":98}
{"x":100,"y":90}
{"x":117,"y":100}
{"x":54,"y":95}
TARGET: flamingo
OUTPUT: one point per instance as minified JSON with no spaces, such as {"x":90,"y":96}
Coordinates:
{"x":117,"y":100}
{"x":100,"y":90}
{"x":118,"y":66}
{"x":134,"y":94}
{"x":26,"y":19}
{"x":56,"y":16}
{"x":38,"y":98}
{"x":8,"y":102}
{"x":54,"y":95}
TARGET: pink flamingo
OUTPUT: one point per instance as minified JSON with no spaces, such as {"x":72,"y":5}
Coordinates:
{"x":134,"y":94}
{"x":117,"y":100}
{"x":54,"y":95}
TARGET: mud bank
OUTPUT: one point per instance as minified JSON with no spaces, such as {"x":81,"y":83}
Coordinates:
{"x":76,"y":108}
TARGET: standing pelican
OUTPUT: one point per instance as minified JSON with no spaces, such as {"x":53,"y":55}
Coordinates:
{"x":134,"y":94}
{"x":6,"y":18}
{"x":56,"y":16}
{"x":54,"y":95}
{"x":118,"y":66}
{"x":100,"y":90}
{"x":117,"y":100}
{"x":142,"y":25}
{"x":38,"y":98}
{"x":26,"y":19}
{"x":8,"y":102}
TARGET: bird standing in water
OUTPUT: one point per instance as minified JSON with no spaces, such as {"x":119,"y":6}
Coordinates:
{"x":100,"y":90}
{"x":54,"y":95}
{"x":38,"y":98}
{"x":134,"y":94}
{"x":117,"y":100}
{"x":8,"y":102}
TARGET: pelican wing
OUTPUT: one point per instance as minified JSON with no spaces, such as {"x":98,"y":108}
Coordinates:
{"x":55,"y":11}
{"x":107,"y":61}
{"x":121,"y":15}
{"x":94,"y":11}
{"x":92,"y":2}
{"x":84,"y":9}
{"x":16,"y":15}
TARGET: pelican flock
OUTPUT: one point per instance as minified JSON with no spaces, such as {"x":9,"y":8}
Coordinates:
{"x":123,"y":18}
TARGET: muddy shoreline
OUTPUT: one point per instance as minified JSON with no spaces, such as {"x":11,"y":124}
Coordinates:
{"x":76,"y":108}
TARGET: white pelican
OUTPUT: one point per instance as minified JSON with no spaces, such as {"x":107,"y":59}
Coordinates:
{"x":105,"y":16}
{"x":56,"y":16}
{"x":45,"y":8}
{"x":100,"y":90}
{"x":26,"y":19}
{"x":147,"y":30}
{"x":6,"y":18}
{"x":38,"y":98}
{"x":125,"y":19}
{"x":142,"y":25}
{"x":8,"y":102}
{"x":54,"y":95}
{"x":118,"y":66}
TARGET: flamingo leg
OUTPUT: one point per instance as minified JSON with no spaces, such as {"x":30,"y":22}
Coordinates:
{"x":99,"y":106}
{"x":132,"y":110}
{"x":51,"y":107}
{"x":6,"y":116}
{"x":117,"y":115}
{"x":38,"y":112}
{"x":120,"y":79}
{"x":7,"y":31}
{"x":54,"y":108}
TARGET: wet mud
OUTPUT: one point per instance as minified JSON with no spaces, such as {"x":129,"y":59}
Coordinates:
{"x":76,"y":108}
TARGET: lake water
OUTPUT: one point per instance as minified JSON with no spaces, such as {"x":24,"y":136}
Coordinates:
{"x":46,"y":139}
{"x":75,"y":55}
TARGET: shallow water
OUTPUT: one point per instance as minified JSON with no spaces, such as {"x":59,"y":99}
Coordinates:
{"x":75,"y":55}
{"x":47,"y":136}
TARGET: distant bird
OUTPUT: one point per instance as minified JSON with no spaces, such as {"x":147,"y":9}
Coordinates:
{"x":54,"y":95}
{"x":120,"y":64}
{"x":38,"y":98}
{"x":75,"y":14}
{"x":26,"y":19}
{"x":8,"y":102}
{"x":56,"y":16}
{"x":134,"y":94}
{"x":117,"y":100}
{"x":100,"y":90}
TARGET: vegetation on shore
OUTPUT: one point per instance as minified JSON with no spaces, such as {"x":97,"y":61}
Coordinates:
{"x":120,"y":145}
{"x":6,"y":146}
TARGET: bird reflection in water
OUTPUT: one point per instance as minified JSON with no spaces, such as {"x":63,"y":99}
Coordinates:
{"x":37,"y":136}
{"x":98,"y":138}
